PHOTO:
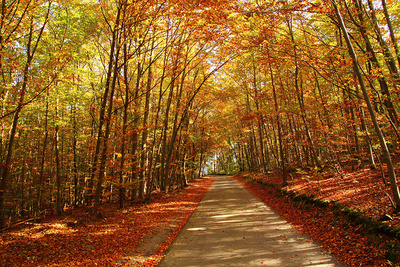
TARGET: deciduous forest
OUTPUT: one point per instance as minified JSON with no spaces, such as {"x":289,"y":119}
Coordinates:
{"x":108,"y":101}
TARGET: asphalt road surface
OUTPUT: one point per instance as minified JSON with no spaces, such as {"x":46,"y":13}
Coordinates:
{"x":231,"y":227}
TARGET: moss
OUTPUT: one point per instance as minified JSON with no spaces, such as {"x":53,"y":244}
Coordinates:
{"x":382,"y":227}
{"x":337,"y":205}
{"x":393,"y":251}
{"x":322,"y":203}
{"x":284,"y":191}
{"x":393,"y":256}
{"x":355,"y":216}
{"x":307,"y":207}
{"x":335,"y":221}
{"x":301,"y":197}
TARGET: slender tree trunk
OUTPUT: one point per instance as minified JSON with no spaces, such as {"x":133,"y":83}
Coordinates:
{"x":377,"y":66}
{"x":391,"y":31}
{"x":104,"y":101}
{"x":164,"y":174}
{"x":367,"y":140}
{"x":143,"y":156}
{"x":278,"y":121}
{"x":75,"y":157}
{"x":260,"y":119}
{"x":293,"y":131}
{"x":299,"y":93}
{"x":30,"y":52}
{"x":122,"y":188}
{"x":58,"y":163}
{"x":175,"y":127}
{"x":111,"y":79}
{"x":385,"y":150}
{"x":390,"y":60}
{"x":108,"y":119}
{"x":267,"y":152}
{"x":43,"y":155}
{"x":201,"y":153}
{"x":134,"y":169}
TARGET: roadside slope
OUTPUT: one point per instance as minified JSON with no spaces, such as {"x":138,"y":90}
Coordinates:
{"x":348,"y":242}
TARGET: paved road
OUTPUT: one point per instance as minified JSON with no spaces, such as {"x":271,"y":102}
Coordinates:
{"x":231,"y":227}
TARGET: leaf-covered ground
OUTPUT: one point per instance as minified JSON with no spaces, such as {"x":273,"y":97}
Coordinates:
{"x":81,"y":240}
{"x":362,"y":190}
{"x":78,"y":239}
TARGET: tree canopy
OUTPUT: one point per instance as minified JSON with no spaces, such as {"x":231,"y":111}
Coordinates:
{"x":112,"y":99}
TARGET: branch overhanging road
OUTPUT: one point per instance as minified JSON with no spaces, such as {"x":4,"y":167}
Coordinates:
{"x":231,"y":227}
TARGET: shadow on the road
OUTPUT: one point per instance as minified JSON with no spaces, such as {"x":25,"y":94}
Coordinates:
{"x":233,"y":228}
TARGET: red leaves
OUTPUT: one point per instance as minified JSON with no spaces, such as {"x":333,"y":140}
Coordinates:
{"x":334,"y":234}
{"x":80,"y":240}
{"x":248,"y":117}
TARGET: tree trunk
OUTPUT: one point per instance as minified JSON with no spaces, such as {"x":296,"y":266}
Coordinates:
{"x":385,"y":150}
{"x":112,"y":75}
{"x":75,"y":158}
{"x":300,"y":95}
{"x":164,"y":151}
{"x":43,"y":155}
{"x":121,"y":186}
{"x":391,"y":31}
{"x":390,"y":61}
{"x":104,"y":101}
{"x":143,"y":156}
{"x":377,"y":66}
{"x":30,"y":52}
{"x":58,"y":165}
{"x":278,"y":122}
{"x":108,"y":119}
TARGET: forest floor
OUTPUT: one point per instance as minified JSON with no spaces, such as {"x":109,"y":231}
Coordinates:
{"x":344,"y":212}
{"x":338,"y":222}
{"x":116,"y":239}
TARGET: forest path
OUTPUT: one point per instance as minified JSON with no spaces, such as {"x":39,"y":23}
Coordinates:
{"x":231,"y":227}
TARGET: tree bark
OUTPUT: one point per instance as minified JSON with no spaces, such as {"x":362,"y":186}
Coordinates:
{"x":30,"y":52}
{"x":43,"y":155}
{"x":377,"y":66}
{"x":104,"y":102}
{"x":299,"y":93}
{"x":385,"y":150}
{"x":278,"y":121}
{"x":143,"y":156}
{"x":391,"y":31}
{"x":111,"y":79}
{"x":58,"y":164}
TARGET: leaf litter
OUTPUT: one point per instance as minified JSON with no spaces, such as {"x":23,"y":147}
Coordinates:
{"x":362,"y":190}
{"x":78,"y":239}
